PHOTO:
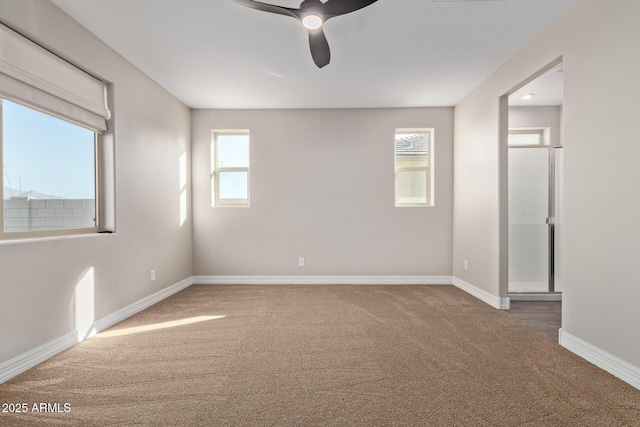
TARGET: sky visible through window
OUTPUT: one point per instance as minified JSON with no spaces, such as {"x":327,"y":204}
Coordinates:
{"x":45,"y":155}
{"x":233,"y":152}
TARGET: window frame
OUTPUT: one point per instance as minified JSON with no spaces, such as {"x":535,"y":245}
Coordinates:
{"x":215,"y":170}
{"x":97,"y":150}
{"x":429,"y":169}
{"x":540,"y":132}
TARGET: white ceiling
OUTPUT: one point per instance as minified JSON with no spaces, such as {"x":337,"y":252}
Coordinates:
{"x":546,"y":89}
{"x":394,"y":53}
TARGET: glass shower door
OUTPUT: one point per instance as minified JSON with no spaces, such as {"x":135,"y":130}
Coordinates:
{"x":529,"y":213}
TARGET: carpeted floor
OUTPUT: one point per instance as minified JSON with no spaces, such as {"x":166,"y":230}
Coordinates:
{"x":321,"y":356}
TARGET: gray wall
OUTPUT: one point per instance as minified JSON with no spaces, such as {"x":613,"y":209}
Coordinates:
{"x":152,"y":131}
{"x":301,"y":205}
{"x":539,"y":117}
{"x":322,"y":188}
{"x":598,"y":41}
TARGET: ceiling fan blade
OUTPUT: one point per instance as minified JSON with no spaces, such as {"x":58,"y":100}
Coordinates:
{"x":280,"y":10}
{"x":319,"y":47}
{"x":334,"y":8}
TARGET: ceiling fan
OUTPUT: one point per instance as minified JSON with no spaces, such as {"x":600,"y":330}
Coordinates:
{"x":313,"y":14}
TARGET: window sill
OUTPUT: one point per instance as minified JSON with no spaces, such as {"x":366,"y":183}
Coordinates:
{"x":24,"y":240}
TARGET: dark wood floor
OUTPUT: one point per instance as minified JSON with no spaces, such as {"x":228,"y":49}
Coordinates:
{"x":545,"y":316}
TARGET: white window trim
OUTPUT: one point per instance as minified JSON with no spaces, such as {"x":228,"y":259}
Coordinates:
{"x":215,"y":170}
{"x":541,"y":132}
{"x":429,"y":169}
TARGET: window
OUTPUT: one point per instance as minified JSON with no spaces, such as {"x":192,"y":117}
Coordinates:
{"x":48,"y":174}
{"x":414,"y":167}
{"x":526,"y":136}
{"x":51,"y":117}
{"x":230,"y":168}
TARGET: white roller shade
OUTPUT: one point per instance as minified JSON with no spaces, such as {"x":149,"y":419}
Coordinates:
{"x":33,"y":75}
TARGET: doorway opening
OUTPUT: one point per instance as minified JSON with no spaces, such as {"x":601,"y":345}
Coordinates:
{"x":534,"y":175}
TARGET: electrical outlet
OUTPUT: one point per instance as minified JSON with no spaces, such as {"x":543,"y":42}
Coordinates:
{"x":300,"y":262}
{"x":153,"y":275}
{"x":466,"y":264}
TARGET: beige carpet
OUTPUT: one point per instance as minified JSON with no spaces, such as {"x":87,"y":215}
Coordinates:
{"x":322,"y":356}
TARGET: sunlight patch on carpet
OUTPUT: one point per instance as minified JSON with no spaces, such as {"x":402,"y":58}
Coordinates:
{"x":157,"y":326}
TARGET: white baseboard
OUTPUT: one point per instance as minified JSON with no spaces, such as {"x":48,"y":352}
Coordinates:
{"x":128,"y":311}
{"x":322,"y":280}
{"x":602,"y":359}
{"x":34,"y":357}
{"x":482,"y":295}
{"x":31,"y":358}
